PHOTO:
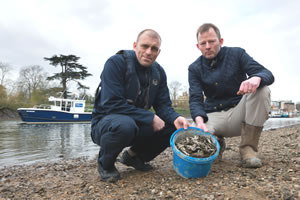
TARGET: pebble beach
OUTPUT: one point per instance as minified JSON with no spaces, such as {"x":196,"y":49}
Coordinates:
{"x":279,"y":178}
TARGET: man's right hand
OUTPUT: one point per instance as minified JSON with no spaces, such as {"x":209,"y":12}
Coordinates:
{"x":157,"y":123}
{"x":200,"y":123}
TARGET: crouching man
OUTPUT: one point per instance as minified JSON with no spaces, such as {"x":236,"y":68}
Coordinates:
{"x":131,"y":83}
{"x":237,"y":97}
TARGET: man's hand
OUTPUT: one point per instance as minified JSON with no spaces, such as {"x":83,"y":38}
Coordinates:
{"x":181,"y":122}
{"x":200,"y":123}
{"x":249,"y":86}
{"x":157,"y":123}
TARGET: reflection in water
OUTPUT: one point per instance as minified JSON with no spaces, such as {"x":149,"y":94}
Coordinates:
{"x":28,"y":143}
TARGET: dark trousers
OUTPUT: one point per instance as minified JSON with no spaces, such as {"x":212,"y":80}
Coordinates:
{"x":115,"y":132}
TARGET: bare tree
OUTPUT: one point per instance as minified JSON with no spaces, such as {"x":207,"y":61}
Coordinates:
{"x":10,"y":86}
{"x":174,"y":88}
{"x":4,"y":72}
{"x":31,"y":78}
{"x":3,"y":95}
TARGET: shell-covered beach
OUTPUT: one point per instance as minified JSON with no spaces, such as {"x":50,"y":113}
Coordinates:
{"x":279,"y":178}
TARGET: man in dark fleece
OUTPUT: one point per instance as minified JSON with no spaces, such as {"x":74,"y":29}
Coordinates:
{"x":131,"y":83}
{"x":229,"y":94}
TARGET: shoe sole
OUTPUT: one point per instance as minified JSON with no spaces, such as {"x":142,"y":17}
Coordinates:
{"x":110,"y":179}
{"x":252,"y":163}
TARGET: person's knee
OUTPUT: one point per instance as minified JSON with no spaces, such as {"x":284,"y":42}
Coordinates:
{"x":264,"y":93}
{"x":121,"y":130}
{"x":117,"y":129}
{"x":127,"y":129}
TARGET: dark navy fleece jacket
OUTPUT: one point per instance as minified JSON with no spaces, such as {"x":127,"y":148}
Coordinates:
{"x":120,"y":87}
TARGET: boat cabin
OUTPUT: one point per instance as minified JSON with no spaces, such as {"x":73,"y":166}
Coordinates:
{"x":68,"y":105}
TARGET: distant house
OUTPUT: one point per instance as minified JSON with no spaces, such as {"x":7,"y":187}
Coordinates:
{"x":183,"y":100}
{"x":275,"y":105}
{"x":283,"y":108}
{"x":288,"y":106}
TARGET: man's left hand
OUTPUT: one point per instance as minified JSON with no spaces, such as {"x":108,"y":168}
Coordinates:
{"x":181,"y":122}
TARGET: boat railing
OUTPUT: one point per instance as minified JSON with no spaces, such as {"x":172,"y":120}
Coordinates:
{"x":42,"y":106}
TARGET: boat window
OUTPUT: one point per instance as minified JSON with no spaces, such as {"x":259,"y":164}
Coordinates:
{"x":63,"y":105}
{"x":68,"y":105}
{"x":57,"y":103}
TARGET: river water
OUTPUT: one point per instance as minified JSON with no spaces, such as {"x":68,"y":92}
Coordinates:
{"x":30,"y":143}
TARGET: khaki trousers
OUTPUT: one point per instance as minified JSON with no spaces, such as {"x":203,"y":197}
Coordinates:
{"x":253,"y":109}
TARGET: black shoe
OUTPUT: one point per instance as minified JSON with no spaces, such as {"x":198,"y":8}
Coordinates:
{"x":110,"y":175}
{"x":135,"y":162}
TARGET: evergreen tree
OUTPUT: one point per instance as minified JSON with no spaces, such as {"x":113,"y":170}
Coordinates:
{"x":70,"y":71}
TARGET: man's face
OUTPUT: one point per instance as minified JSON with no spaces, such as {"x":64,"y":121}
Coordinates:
{"x":146,"y":49}
{"x":209,"y":44}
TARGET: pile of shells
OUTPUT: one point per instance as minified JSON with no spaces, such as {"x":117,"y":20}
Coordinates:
{"x":198,"y":146}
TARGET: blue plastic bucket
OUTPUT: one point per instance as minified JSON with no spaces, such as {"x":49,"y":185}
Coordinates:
{"x":191,"y":167}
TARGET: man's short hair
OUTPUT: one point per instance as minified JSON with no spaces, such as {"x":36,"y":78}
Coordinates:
{"x":151,"y":32}
{"x":205,"y":27}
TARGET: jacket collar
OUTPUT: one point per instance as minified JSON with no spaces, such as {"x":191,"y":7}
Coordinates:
{"x":212,"y":62}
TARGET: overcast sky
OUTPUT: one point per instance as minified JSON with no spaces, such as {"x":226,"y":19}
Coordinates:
{"x":96,"y":29}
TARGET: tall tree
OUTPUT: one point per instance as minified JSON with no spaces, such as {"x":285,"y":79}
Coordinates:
{"x":70,"y":71}
{"x":174,"y":88}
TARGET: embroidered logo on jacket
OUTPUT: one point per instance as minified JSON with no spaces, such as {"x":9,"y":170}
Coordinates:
{"x":155,"y":82}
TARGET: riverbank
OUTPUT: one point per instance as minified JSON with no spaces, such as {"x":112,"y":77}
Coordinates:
{"x":8,"y":114}
{"x":79,"y":179}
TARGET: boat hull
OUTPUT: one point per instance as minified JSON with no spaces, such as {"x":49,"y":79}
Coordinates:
{"x":51,"y":116}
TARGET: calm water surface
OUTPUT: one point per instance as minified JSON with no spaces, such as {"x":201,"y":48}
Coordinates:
{"x":27,"y":143}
